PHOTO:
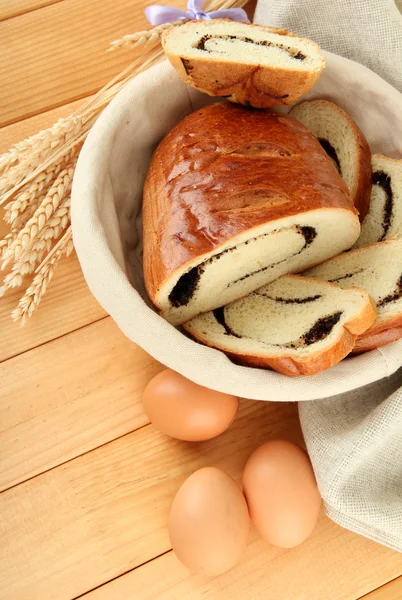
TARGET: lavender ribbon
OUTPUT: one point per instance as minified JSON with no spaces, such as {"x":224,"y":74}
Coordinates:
{"x":157,"y":15}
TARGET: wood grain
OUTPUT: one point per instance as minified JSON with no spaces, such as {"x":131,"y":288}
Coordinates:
{"x":11,"y":134}
{"x":13,"y":8}
{"x":98,"y":516}
{"x":79,"y":525}
{"x":66,"y":306}
{"x":390,"y":591}
{"x":85,"y":522}
{"x":330,"y":565}
{"x":68,"y":397}
{"x":58,"y":54}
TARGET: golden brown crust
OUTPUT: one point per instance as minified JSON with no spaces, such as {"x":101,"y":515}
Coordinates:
{"x":258,"y":86}
{"x":315,"y":362}
{"x":362,"y":191}
{"x":379,"y":335}
{"x":362,"y":194}
{"x":287,"y":365}
{"x":227,"y":161}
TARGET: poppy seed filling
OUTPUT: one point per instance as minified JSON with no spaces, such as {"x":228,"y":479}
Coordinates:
{"x":393,"y":296}
{"x":317,"y":333}
{"x":384,"y":181}
{"x":332,"y":153}
{"x":188,"y":283}
{"x":306,"y":300}
{"x":292,"y":52}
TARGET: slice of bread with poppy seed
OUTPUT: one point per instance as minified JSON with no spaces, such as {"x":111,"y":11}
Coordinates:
{"x":384,"y":219}
{"x":344,"y":143}
{"x":249,"y":64}
{"x":294,"y":325}
{"x":378,"y":270}
{"x":235,"y":198}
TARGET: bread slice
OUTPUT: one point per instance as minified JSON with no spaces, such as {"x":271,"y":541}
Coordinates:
{"x":378,"y":270}
{"x":233,"y":199}
{"x":250,"y":64}
{"x":295,"y":325}
{"x":344,"y":143}
{"x":384,"y":219}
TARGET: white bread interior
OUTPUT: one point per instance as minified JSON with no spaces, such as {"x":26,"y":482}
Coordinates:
{"x":293,"y":317}
{"x":258,"y":256}
{"x":333,"y":126}
{"x":270,"y":47}
{"x":249,"y":64}
{"x":384,"y":219}
{"x":377,"y":269}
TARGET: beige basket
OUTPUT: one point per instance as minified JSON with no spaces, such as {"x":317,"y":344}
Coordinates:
{"x":106,"y":217}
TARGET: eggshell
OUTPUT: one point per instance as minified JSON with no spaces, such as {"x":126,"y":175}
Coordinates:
{"x":281,"y":492}
{"x":209,"y":522}
{"x":187,"y":411}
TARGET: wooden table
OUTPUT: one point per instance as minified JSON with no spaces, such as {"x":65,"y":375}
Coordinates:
{"x":85,"y":480}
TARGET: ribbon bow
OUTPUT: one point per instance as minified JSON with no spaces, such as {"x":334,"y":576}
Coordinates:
{"x":157,"y":15}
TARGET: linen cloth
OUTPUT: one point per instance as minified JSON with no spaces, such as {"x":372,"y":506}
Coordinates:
{"x":106,"y":218}
{"x":355,"y":439}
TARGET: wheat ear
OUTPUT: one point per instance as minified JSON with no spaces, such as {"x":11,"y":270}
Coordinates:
{"x":149,"y":37}
{"x":36,"y":175}
{"x":33,"y":295}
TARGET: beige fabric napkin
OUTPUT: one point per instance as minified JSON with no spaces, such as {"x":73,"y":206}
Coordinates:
{"x":355,"y":439}
{"x":106,"y":217}
{"x":367,"y":31}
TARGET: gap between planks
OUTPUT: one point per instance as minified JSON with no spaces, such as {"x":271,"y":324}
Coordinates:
{"x":232,"y":590}
{"x":69,"y":59}
{"x":123,"y":587}
{"x":69,"y":396}
{"x":389,"y":591}
{"x":85,"y":595}
{"x":103,"y":514}
{"x":14,"y":8}
{"x":110,"y":505}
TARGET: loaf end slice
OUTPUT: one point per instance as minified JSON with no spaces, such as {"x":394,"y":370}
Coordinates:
{"x":249,"y":64}
{"x":294,"y":325}
{"x":384,"y":219}
{"x":378,"y":270}
{"x":233,"y":199}
{"x":344,"y":143}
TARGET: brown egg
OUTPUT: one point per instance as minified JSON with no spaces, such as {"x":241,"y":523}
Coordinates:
{"x":281,"y":492}
{"x":209,"y":522}
{"x":185,"y":410}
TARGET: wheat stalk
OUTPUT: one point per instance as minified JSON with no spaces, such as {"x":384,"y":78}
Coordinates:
{"x":30,"y":197}
{"x":36,"y":177}
{"x":149,"y":37}
{"x":44,"y":220}
{"x":33,"y":295}
{"x":26,"y":156}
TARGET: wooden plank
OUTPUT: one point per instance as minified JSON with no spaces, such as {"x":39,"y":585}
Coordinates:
{"x":104,"y":513}
{"x":68,"y":397}
{"x":58,"y":54}
{"x":66,"y":306}
{"x":13,"y":8}
{"x":88,"y":521}
{"x":333,"y":564}
{"x":16,"y":132}
{"x":390,"y":591}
